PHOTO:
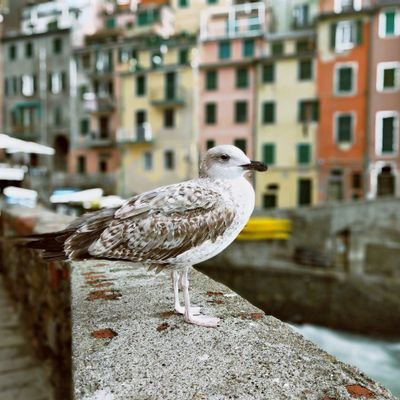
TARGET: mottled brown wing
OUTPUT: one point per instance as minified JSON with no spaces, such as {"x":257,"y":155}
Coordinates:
{"x":158,"y":226}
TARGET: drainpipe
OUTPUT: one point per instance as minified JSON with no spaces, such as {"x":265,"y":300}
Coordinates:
{"x":368,"y":105}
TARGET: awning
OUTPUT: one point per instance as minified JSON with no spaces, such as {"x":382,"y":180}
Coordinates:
{"x":13,"y":145}
{"x":11,"y":174}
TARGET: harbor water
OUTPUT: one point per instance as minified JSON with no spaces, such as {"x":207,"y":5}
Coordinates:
{"x":378,"y":358}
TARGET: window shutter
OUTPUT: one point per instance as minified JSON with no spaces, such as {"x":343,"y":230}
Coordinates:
{"x":333,"y":35}
{"x":359,"y":31}
{"x":269,"y":153}
{"x":387,"y":135}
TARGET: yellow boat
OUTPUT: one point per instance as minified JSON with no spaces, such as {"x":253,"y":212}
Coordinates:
{"x":261,"y":228}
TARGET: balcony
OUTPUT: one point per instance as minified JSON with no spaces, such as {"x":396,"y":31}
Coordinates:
{"x":240,"y":20}
{"x":26,"y":132}
{"x":142,"y":134}
{"x":169,"y":97}
{"x":98,"y":103}
{"x":100,"y":139}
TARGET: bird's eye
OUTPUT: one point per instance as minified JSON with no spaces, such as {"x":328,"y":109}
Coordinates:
{"x":225,"y":157}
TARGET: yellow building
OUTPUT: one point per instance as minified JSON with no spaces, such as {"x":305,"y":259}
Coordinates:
{"x":157,"y":134}
{"x":287,"y":121}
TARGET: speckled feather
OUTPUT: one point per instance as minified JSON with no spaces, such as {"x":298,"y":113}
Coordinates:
{"x":155,"y":227}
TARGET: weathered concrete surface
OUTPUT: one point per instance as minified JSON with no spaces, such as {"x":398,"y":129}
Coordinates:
{"x":127,"y":345}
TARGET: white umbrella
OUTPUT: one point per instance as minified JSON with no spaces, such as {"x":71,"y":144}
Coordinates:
{"x":13,"y":145}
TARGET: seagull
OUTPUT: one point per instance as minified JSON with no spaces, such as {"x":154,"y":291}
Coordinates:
{"x":170,"y":228}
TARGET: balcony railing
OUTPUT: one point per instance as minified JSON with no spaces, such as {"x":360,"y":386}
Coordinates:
{"x":141,"y":134}
{"x":29,"y":132}
{"x":95,"y":103}
{"x":168,"y":97}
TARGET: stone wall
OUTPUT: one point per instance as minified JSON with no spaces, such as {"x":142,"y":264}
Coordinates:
{"x":41,"y":292}
{"x":127,"y":343}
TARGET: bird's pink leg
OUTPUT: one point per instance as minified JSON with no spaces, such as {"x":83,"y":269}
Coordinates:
{"x":202,"y":320}
{"x":176,"y":280}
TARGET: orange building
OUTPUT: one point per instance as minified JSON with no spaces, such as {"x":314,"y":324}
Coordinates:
{"x":343,"y":32}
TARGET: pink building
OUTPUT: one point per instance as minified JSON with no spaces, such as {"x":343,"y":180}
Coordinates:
{"x":231,"y":39}
{"x":384,"y":105}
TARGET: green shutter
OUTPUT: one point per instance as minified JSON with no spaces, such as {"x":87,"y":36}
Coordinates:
{"x":315,"y":111}
{"x":269,"y":153}
{"x":183,"y":56}
{"x":332,"y":35}
{"x":345,"y":81}
{"x":304,"y":195}
{"x":248,"y":48}
{"x":210,"y":143}
{"x":389,"y":78}
{"x":388,"y":135}
{"x":268,"y":73}
{"x":242,"y":80}
{"x":240,"y":111}
{"x":211,"y":80}
{"x":305,"y":70}
{"x":211,"y":113}
{"x":224,"y":50}
{"x":268,"y":112}
{"x":390,"y":18}
{"x":303,"y":153}
{"x":277,"y":48}
{"x":344,"y":129}
{"x":360,"y":26}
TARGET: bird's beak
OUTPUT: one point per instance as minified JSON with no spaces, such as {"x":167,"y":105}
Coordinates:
{"x":255,"y":166}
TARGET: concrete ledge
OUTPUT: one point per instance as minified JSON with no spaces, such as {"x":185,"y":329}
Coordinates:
{"x":128,"y":345}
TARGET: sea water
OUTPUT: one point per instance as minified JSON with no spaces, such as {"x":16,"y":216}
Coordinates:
{"x":378,"y":358}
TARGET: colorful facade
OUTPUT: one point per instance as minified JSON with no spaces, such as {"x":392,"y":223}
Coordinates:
{"x":344,"y":33}
{"x":384,"y":102}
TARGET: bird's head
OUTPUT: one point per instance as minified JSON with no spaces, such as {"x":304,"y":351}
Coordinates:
{"x":227,"y":162}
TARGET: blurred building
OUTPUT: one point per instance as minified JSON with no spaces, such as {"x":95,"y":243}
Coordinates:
{"x":383,"y":119}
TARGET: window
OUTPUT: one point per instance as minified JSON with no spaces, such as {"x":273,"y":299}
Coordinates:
{"x":81,"y":165}
{"x":183,"y":3}
{"x":389,"y":23}
{"x":147,"y":16}
{"x":212,"y":1}
{"x":210,"y":143}
{"x":240,"y":111}
{"x":28,"y":49}
{"x":356,"y":180}
{"x":57,"y":46}
{"x":268,"y":73}
{"x":269,"y":200}
{"x":224,"y":50}
{"x":347,"y":5}
{"x":141,"y":125}
{"x":57,"y":82}
{"x":308,"y":111}
{"x":28,"y":85}
{"x":57,"y":116}
{"x":346,"y":34}
{"x":110,"y":23}
{"x":123,"y":55}
{"x":277,"y":48}
{"x":344,"y":79}
{"x":241,"y":144}
{"x":148,"y":160}
{"x":169,"y":118}
{"x":300,"y":16}
{"x":304,"y":46}
{"x":169,"y":159}
{"x":387,"y":131}
{"x":305,"y":70}
{"x":268,"y":112}
{"x":156,"y":59}
{"x":304,"y":191}
{"x":12,"y":52}
{"x":344,"y":128}
{"x":211,"y":113}
{"x":211,"y":80}
{"x":248,"y":48}
{"x":268,"y":153}
{"x":303,"y":153}
{"x":6,"y":87}
{"x":15,"y":86}
{"x":183,"y":56}
{"x":388,"y":76}
{"x":170,"y":86}
{"x":103,"y":165}
{"x":140,"y":85}
{"x":242,"y":80}
{"x":84,"y":128}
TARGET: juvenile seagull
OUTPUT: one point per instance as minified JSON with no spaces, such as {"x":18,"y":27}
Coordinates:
{"x":169,"y":228}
